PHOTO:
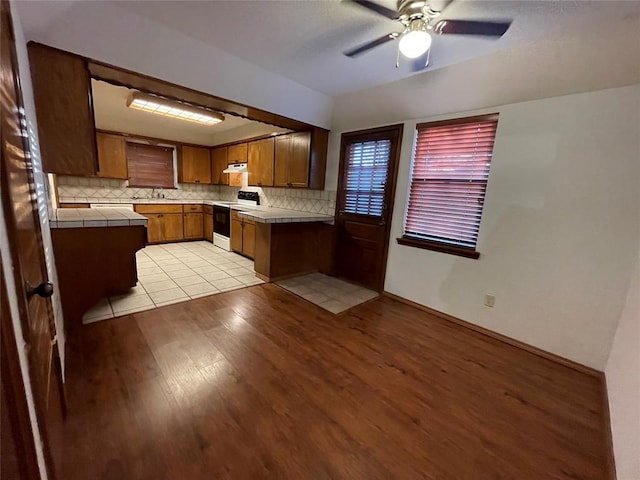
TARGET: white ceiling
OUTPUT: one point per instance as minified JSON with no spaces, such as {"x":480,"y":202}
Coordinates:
{"x":303,"y":40}
{"x":112,"y":113}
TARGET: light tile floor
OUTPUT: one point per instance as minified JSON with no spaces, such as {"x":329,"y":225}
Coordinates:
{"x":330,"y":293}
{"x":176,"y":272}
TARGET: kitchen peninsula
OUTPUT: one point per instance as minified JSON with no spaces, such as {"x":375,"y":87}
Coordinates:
{"x":95,"y":255}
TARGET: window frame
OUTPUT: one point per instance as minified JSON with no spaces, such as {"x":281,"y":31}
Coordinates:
{"x":435,"y":245}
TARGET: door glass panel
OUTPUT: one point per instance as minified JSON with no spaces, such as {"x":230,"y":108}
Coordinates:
{"x":366,"y":170}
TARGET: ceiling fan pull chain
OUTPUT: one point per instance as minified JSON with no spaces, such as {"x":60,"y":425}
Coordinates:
{"x":398,"y":56}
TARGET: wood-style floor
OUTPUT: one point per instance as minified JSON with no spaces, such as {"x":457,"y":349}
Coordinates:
{"x":258,"y":383}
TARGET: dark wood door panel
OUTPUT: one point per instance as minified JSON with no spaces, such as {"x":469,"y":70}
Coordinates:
{"x":20,"y":211}
{"x":366,"y":186}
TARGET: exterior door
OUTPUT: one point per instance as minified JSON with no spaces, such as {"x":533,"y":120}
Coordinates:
{"x":26,"y":253}
{"x":366,"y":185}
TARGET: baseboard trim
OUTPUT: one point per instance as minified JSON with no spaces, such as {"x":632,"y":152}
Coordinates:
{"x":503,"y":338}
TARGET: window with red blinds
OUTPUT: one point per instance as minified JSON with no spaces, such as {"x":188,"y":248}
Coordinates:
{"x":150,"y":166}
{"x":449,"y":180}
{"x":365,"y":177}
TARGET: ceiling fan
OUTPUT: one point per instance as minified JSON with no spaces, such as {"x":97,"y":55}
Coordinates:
{"x":418,"y":20}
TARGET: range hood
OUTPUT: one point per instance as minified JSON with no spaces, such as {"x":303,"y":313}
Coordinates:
{"x":235,"y":168}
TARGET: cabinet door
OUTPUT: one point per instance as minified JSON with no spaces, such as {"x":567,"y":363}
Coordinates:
{"x":193,"y":226}
{"x":282,"y":159}
{"x":299,"y":159}
{"x":236,"y":235}
{"x":195,"y":165}
{"x":208,"y":227}
{"x":66,"y":128}
{"x":173,"y":226}
{"x":155,"y":233}
{"x":237,"y":153}
{"x":112,"y":156}
{"x":249,"y":240}
{"x":219,"y":162}
{"x":261,"y":162}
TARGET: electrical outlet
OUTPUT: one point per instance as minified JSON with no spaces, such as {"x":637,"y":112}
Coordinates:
{"x":489,"y":299}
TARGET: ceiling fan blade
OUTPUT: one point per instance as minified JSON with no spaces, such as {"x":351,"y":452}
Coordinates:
{"x":354,"y":52}
{"x":384,"y":11}
{"x":471,"y":27}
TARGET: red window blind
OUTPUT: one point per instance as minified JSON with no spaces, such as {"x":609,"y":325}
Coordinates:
{"x":365,"y":177}
{"x":449,"y":180}
{"x":150,"y":166}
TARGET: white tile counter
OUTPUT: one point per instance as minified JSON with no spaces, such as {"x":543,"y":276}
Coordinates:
{"x":95,"y":217}
{"x":280,"y":215}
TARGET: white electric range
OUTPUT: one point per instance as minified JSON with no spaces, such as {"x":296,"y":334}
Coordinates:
{"x":222,"y":217}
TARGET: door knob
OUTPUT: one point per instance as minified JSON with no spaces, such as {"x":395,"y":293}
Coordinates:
{"x":44,"y":290}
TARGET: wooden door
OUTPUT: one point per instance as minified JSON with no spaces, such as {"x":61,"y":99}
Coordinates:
{"x":366,"y":185}
{"x":64,"y":107}
{"x":236,"y":235}
{"x":282,"y":160}
{"x":249,"y":239}
{"x":207,"y":224}
{"x":112,"y":156}
{"x":237,"y":153}
{"x":25,"y":247}
{"x":218,"y":164}
{"x":193,"y":226}
{"x":299,"y":160}
{"x":195,"y":165}
{"x":260,"y":162}
{"x":172,"y":227}
{"x":155,"y":230}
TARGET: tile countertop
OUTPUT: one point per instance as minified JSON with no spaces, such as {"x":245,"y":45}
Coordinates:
{"x":279,"y":215}
{"x":95,"y":217}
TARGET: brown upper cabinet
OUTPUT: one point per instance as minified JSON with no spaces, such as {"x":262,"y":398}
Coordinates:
{"x":112,"y":156}
{"x":219,"y":161}
{"x":237,"y":153}
{"x":260,"y":162}
{"x":195,"y":165}
{"x":64,"y":110}
{"x":292,"y":156}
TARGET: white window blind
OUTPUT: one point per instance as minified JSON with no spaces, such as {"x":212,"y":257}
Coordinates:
{"x":449,"y":180}
{"x":365,"y":177}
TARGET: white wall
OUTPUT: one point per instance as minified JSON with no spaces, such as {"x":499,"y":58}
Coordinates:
{"x":623,"y":384}
{"x":103,"y":31}
{"x":559,"y":230}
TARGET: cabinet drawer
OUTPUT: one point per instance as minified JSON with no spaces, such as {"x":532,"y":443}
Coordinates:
{"x":158,"y":208}
{"x":192,"y":208}
{"x":208,"y":209}
{"x":235,"y":216}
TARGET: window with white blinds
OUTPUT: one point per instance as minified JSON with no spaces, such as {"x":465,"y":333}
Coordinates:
{"x":365,"y":177}
{"x":449,"y":180}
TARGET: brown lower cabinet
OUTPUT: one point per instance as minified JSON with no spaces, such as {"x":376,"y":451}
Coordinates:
{"x":193,"y":226}
{"x":243,"y":235}
{"x":165,"y":222}
{"x":207,"y":223}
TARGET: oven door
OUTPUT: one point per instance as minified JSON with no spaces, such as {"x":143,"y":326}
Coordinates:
{"x":222,"y":220}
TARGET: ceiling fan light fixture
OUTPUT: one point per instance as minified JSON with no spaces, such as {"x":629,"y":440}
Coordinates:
{"x":416,"y":41}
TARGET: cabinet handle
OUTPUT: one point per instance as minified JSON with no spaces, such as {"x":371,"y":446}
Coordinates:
{"x":197,"y":181}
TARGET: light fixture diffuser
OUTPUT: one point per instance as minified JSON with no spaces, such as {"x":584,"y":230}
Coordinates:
{"x":416,"y":41}
{"x":173,"y":109}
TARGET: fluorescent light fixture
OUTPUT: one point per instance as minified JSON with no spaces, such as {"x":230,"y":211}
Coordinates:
{"x":173,"y":109}
{"x":416,"y":41}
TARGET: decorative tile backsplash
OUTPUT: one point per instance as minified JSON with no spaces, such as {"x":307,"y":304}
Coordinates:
{"x":102,"y":190}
